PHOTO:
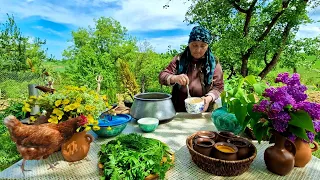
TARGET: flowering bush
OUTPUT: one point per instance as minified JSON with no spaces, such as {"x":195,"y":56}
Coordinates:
{"x":68,"y":103}
{"x":286,"y":110}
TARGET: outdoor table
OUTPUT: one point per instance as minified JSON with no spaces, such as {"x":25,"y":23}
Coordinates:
{"x":173,"y":133}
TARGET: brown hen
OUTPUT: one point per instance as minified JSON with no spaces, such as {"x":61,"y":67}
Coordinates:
{"x":35,"y":142}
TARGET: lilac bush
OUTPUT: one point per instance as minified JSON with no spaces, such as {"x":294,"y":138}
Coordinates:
{"x":281,"y":103}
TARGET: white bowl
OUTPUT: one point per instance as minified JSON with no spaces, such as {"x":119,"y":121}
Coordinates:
{"x":194,"y":105}
{"x":148,"y":124}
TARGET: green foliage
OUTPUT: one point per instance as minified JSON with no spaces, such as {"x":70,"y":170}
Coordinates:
{"x":134,"y":157}
{"x":129,"y":85}
{"x":16,"y":51}
{"x":239,"y":100}
{"x":252,"y":36}
{"x":95,"y":51}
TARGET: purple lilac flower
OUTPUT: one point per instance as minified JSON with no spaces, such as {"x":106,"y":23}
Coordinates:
{"x":283,"y":77}
{"x":294,"y":80}
{"x":279,"y":125}
{"x":297,"y":92}
{"x":313,"y":109}
{"x":316,"y":125}
{"x":262,"y":107}
{"x":276,"y":107}
{"x":310,"y":136}
{"x":279,"y":120}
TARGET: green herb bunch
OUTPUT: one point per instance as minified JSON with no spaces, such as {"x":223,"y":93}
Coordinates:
{"x":134,"y":157}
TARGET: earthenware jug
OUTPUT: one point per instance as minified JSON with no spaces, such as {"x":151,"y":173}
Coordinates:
{"x":303,"y":152}
{"x":277,"y":158}
{"x":77,"y":147}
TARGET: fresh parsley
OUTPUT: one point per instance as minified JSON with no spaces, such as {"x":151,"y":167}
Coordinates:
{"x":133,"y":157}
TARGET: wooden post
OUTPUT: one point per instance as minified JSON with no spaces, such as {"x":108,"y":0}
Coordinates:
{"x":99,"y":78}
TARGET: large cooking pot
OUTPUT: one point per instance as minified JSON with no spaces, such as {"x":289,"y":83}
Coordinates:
{"x":154,"y":104}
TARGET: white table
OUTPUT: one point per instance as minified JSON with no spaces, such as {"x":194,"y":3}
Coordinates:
{"x":173,"y":133}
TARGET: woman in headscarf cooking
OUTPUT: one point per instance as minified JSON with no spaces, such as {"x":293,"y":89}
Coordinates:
{"x":197,"y":67}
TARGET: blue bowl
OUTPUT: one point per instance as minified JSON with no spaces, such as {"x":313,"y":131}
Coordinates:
{"x":112,"y":125}
{"x":111,"y":131}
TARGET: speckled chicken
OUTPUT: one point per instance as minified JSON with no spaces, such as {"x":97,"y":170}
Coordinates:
{"x":35,"y":142}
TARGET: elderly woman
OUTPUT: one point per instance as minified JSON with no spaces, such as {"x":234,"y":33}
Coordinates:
{"x":197,"y":67}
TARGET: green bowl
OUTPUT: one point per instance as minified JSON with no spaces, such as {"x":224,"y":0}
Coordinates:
{"x":148,"y":124}
{"x":111,"y":131}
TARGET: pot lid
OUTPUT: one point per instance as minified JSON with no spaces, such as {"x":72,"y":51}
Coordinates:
{"x":109,"y":120}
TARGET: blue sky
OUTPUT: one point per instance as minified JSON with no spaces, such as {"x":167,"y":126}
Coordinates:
{"x":54,"y":20}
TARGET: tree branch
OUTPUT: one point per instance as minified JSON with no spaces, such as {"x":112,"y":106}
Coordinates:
{"x":276,"y":56}
{"x":265,"y":57}
{"x":235,"y":5}
{"x":273,"y":21}
{"x":248,"y":18}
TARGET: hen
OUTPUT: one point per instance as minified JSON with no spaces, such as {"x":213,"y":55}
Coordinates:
{"x":35,"y":142}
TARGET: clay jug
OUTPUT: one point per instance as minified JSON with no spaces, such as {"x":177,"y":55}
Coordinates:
{"x":304,"y":152}
{"x":77,"y":147}
{"x":277,"y":158}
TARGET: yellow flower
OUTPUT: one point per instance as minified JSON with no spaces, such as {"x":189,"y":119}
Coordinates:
{"x":32,"y":118}
{"x":104,"y":97}
{"x":53,"y":119}
{"x":58,"y":102}
{"x":95,"y":123}
{"x":26,"y":108}
{"x":90,"y":119}
{"x":87,"y":128}
{"x":109,"y":128}
{"x":89,"y":108}
{"x":58,"y":112}
{"x":33,"y":97}
{"x":79,"y":99}
{"x":67,"y":108}
{"x":65,"y":101}
{"x":96,"y":128}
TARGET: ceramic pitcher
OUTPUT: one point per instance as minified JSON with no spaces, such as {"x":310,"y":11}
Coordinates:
{"x":77,"y":147}
{"x":304,"y":152}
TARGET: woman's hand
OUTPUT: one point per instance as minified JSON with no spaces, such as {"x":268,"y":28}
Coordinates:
{"x":207,"y":100}
{"x":181,"y":79}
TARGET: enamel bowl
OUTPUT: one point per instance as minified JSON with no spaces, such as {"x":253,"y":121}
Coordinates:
{"x":148,"y":124}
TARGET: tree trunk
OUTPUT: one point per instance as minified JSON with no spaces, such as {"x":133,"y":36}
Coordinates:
{"x":276,"y":56}
{"x":295,"y":70}
{"x":232,"y":72}
{"x":143,"y":79}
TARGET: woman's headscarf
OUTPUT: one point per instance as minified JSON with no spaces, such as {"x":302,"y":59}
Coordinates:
{"x":198,"y":33}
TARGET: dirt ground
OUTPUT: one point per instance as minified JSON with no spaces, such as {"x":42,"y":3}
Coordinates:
{"x":314,"y":96}
{"x":3,"y":104}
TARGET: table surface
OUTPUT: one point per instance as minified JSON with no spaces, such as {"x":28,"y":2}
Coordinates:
{"x":173,"y":133}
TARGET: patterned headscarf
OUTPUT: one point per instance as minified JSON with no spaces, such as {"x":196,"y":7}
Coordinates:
{"x":199,"y":33}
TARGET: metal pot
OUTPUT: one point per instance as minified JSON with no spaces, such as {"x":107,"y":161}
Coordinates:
{"x":153,"y":104}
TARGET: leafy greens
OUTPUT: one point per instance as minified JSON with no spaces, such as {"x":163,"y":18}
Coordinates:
{"x":134,"y":157}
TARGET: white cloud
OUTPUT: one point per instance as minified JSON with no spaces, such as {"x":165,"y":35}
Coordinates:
{"x":150,"y":15}
{"x":49,"y":30}
{"x":309,"y":31}
{"x":160,"y":44}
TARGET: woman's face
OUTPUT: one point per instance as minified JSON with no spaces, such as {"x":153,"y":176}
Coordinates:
{"x":198,"y":49}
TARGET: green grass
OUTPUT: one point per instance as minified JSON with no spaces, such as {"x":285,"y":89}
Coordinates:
{"x":309,"y":76}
